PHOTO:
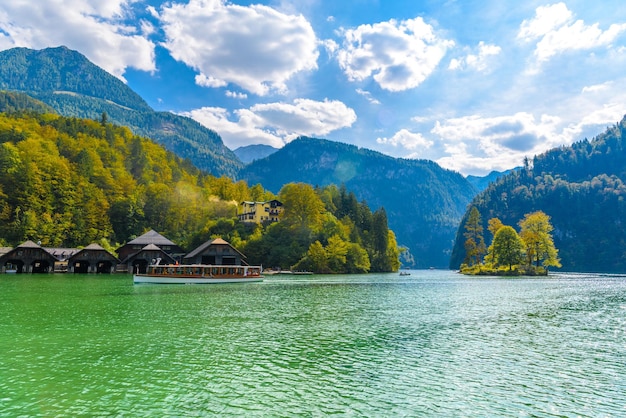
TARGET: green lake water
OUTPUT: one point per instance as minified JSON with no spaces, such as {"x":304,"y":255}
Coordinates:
{"x":434,"y":343}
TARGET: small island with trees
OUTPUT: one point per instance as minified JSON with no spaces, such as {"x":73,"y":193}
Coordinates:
{"x":527,"y":253}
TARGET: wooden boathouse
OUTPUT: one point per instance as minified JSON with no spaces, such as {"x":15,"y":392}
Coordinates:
{"x":28,"y":257}
{"x":92,"y":259}
{"x":150,"y":237}
{"x":216,"y":252}
{"x":139,"y":261}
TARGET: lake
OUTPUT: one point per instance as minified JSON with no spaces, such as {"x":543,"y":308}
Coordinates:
{"x":434,"y":343}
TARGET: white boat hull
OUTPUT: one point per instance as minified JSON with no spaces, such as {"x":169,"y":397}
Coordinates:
{"x":142,"y":278}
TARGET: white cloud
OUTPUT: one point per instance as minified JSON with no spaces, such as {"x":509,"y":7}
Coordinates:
{"x":547,"y":19}
{"x":478,"y":61}
{"x":330,"y":45}
{"x":475,"y":143}
{"x":597,"y":87}
{"x":368,"y":96}
{"x":255,"y":47}
{"x":236,"y":95}
{"x":598,"y":119}
{"x":305,"y":117}
{"x":234,"y":134}
{"x":275,"y":123}
{"x":93,"y":27}
{"x":397,"y":55}
{"x":407,"y":140}
{"x":208,"y":81}
{"x":557,"y":32}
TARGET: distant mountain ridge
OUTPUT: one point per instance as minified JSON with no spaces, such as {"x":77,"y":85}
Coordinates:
{"x":481,"y":182}
{"x":249,"y":153}
{"x":582,"y":188}
{"x":68,"y":82}
{"x":424,"y":202}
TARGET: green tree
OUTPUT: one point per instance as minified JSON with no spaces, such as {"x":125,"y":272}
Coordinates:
{"x":536,"y":233}
{"x":474,"y":240}
{"x":357,"y":260}
{"x":318,"y":258}
{"x":508,"y":247}
{"x":493,"y":225}
{"x":337,"y":249}
{"x":303,"y":208}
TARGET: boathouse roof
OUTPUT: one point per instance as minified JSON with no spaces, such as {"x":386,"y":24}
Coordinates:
{"x":62,"y":254}
{"x":216,"y":241}
{"x":95,"y":248}
{"x":152,"y":237}
{"x":149,"y":252}
{"x":33,"y":249}
{"x":28,"y":244}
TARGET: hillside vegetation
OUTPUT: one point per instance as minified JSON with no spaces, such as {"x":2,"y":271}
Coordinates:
{"x":68,"y":182}
{"x":582,"y":188}
{"x":73,"y":86}
{"x":424,"y":202}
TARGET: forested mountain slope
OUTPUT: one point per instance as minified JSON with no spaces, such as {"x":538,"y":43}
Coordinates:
{"x":582,"y":188}
{"x":73,"y":86}
{"x":424,"y":203}
{"x":71,"y":182}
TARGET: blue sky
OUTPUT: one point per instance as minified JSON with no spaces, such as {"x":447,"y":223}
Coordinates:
{"x":473,"y":85}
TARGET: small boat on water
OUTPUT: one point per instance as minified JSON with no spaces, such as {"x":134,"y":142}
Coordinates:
{"x":405,"y":273}
{"x":198,"y":274}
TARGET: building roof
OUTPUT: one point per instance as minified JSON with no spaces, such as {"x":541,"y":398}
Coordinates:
{"x":31,"y":245}
{"x":62,"y":253}
{"x":251,"y":202}
{"x":216,"y":241}
{"x":28,"y":244}
{"x":151,"y":237}
{"x":95,"y":247}
{"x":149,"y":247}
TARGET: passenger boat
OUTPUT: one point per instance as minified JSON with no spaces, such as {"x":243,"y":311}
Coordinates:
{"x":198,"y":273}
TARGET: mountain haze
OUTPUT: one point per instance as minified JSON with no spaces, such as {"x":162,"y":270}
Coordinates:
{"x":581,"y":187}
{"x":73,"y":86}
{"x":249,"y":153}
{"x":424,"y":202}
{"x":481,"y":182}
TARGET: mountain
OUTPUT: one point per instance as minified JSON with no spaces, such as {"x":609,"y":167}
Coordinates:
{"x":582,"y":188}
{"x":250,"y":153}
{"x":481,"y":182}
{"x":69,"y":83}
{"x":424,"y":203}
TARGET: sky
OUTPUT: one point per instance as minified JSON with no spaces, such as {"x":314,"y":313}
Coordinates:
{"x":473,"y":85}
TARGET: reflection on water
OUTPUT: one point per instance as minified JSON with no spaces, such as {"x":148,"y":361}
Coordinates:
{"x":431,"y":344}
